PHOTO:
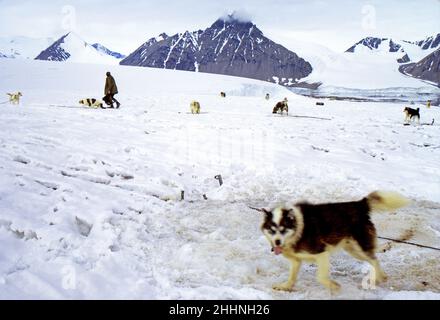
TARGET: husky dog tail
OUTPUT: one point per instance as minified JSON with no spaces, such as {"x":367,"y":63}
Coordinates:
{"x":386,"y":201}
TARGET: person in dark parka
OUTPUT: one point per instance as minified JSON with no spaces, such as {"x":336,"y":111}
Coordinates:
{"x":110,"y":90}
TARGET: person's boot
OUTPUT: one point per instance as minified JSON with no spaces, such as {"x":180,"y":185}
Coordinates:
{"x":111,"y":106}
{"x":117,"y":103}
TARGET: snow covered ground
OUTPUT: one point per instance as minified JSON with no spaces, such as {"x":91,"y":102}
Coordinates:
{"x":89,"y":199}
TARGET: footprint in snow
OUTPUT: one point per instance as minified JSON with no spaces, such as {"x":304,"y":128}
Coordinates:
{"x":21,"y":159}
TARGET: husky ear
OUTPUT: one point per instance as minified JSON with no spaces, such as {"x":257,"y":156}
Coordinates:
{"x":291,"y":214}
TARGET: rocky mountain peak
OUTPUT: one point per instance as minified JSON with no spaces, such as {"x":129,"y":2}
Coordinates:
{"x":231,"y":45}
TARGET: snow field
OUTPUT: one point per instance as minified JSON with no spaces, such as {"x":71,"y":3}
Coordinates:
{"x":89,"y":199}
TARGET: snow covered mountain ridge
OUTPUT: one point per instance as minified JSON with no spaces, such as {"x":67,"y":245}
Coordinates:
{"x":235,"y":46}
{"x":427,"y":69}
{"x":229,"y":46}
{"x":73,"y":48}
{"x":404,"y":50}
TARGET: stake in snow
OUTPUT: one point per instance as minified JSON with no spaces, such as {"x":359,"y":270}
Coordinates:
{"x":90,"y":199}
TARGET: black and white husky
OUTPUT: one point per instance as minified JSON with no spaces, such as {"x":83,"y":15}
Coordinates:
{"x":411,"y":113}
{"x":311,"y":232}
{"x":281,"y":107}
{"x":94,"y":103}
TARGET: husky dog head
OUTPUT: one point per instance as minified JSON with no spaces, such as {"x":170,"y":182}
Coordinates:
{"x":282,"y":227}
{"x":16,"y":94}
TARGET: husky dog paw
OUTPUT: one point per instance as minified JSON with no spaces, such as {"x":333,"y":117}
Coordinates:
{"x":382,"y":277}
{"x":284,"y":286}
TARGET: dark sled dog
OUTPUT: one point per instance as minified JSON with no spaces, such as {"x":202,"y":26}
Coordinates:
{"x":311,"y":232}
{"x":411,"y":113}
{"x":281,"y":107}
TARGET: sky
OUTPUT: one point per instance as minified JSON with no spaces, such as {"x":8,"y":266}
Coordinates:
{"x":124,"y":25}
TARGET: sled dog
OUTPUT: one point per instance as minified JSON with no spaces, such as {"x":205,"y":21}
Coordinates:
{"x":195,"y":107}
{"x":411,"y":113}
{"x":281,"y":107}
{"x":14,"y":98}
{"x":223,"y":94}
{"x":92,"y":103}
{"x":312,"y":232}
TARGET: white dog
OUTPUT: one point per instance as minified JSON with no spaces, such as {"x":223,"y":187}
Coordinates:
{"x":14,"y":98}
{"x":195,"y":107}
